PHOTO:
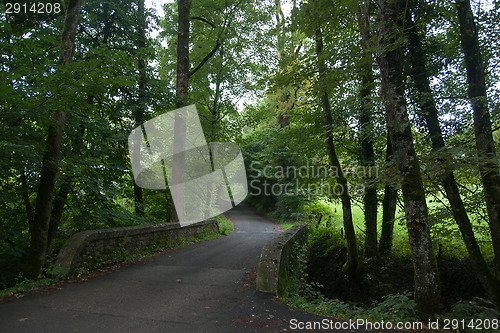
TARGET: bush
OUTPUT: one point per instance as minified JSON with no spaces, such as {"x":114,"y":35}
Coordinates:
{"x":317,"y":282}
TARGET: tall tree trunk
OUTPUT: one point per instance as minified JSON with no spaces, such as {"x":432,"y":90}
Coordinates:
{"x":283,"y":93}
{"x":141,"y":107}
{"x":65,"y":187}
{"x":351,"y":266}
{"x":26,"y":198}
{"x":184,"y":8}
{"x":367,"y":156}
{"x":389,"y":59}
{"x":285,"y":101}
{"x":388,"y":208}
{"x":216,"y":103}
{"x":58,"y":206}
{"x":429,"y":112}
{"x":50,"y":162}
{"x":488,"y":167}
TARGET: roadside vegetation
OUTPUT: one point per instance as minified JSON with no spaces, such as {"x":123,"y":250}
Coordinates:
{"x":384,"y":291}
{"x":120,"y":256}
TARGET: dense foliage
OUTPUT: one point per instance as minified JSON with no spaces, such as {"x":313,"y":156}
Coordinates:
{"x":350,"y":114}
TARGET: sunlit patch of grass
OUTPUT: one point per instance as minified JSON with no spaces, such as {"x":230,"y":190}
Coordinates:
{"x":287,"y":225}
{"x":225,"y":225}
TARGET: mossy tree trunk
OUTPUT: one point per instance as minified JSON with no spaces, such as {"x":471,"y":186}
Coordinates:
{"x":367,"y":155}
{"x":388,"y":208}
{"x":488,"y":168}
{"x":389,"y":55}
{"x":429,"y":112}
{"x":351,"y":266}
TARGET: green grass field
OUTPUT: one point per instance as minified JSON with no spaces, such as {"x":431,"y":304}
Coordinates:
{"x":447,"y":234}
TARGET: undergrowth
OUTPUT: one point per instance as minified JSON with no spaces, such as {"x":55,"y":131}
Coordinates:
{"x":317,"y":284}
{"x":52,"y":274}
{"x":225,"y":225}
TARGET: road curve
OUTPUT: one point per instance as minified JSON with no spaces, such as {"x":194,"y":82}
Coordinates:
{"x":204,"y":287}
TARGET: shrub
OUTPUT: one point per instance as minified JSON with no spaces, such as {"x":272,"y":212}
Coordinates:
{"x":225,"y":225}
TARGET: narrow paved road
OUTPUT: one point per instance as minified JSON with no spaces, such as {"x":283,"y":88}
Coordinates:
{"x":204,"y":287}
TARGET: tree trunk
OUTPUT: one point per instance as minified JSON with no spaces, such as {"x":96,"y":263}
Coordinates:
{"x":351,"y":266}
{"x":283,"y":93}
{"x":367,"y":155}
{"x":138,"y":201}
{"x":58,"y":206}
{"x":184,"y":8}
{"x":485,"y":145}
{"x":216,"y":104}
{"x":65,"y":187}
{"x":389,"y":59}
{"x":26,"y":198}
{"x":285,"y":102}
{"x":429,"y":112}
{"x":50,"y":162}
{"x":388,"y":208}
{"x":141,"y":107}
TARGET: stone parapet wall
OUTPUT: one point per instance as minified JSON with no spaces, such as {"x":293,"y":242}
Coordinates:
{"x":272,"y":271}
{"x":94,"y":243}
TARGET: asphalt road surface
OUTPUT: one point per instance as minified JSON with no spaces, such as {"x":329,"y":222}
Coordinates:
{"x":204,"y":287}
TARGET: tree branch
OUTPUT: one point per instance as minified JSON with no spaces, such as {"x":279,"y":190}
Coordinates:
{"x":217,"y":43}
{"x":208,"y":56}
{"x":203,"y":20}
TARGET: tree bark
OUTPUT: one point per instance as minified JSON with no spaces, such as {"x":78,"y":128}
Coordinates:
{"x":389,"y":57}
{"x":141,"y":100}
{"x":488,"y":168}
{"x":367,"y":156}
{"x":351,"y":266}
{"x":388,"y":208}
{"x":283,"y":94}
{"x":184,"y":8}
{"x":429,"y":112}
{"x":26,"y":198}
{"x":65,"y":187}
{"x":58,"y":206}
{"x":50,"y":162}
{"x":215,"y":106}
{"x":285,"y":101}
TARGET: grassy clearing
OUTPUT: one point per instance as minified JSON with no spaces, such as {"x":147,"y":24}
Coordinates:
{"x":445,"y":234}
